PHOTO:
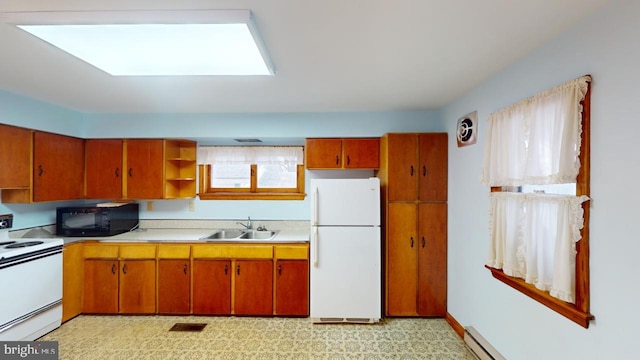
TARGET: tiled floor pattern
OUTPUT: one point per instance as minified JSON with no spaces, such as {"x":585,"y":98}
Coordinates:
{"x":148,"y":337}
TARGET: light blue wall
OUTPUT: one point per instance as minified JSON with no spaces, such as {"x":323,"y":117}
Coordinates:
{"x":605,"y":46}
{"x":286,"y":128}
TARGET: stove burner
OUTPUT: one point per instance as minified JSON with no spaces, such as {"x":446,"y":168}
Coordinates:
{"x":23,"y":244}
{"x":6,"y":242}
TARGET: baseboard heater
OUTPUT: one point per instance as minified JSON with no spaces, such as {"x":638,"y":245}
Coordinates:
{"x":479,"y":346}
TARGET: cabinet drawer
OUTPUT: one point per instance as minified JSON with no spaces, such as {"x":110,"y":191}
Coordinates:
{"x":100,"y":251}
{"x":135,"y":251}
{"x":174,"y":251}
{"x":293,"y":252}
{"x":233,"y":252}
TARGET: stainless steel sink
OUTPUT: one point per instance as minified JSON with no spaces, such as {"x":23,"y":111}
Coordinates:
{"x":240,"y":234}
{"x":262,"y":235}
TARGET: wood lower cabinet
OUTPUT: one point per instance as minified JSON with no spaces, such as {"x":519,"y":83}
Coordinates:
{"x":101,"y":279}
{"x":416,"y":259}
{"x":253,"y":288}
{"x":212,"y":287}
{"x":174,"y":279}
{"x":137,"y":287}
{"x":351,"y":153}
{"x":292,"y":287}
{"x":119,"y":279}
{"x":72,"y":280}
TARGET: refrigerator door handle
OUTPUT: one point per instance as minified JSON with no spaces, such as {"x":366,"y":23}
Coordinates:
{"x":314,"y":220}
{"x":315,"y":246}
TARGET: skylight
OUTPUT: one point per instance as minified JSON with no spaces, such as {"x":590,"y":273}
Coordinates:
{"x":157,"y":43}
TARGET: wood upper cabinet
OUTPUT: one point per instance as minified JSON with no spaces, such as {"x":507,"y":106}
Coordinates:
{"x":145,"y":169}
{"x":417,"y":166}
{"x":16,"y":145}
{"x":137,"y":290}
{"x":104,"y":169}
{"x":212,"y":287}
{"x":292,"y":287}
{"x":348,"y":153}
{"x":253,"y":287}
{"x":416,"y":259}
{"x":58,"y":167}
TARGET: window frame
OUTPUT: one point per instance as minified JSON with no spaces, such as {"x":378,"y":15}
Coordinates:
{"x":206,"y":192}
{"x":579,"y":311}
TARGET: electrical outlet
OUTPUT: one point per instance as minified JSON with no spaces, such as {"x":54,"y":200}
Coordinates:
{"x":149,"y":205}
{"x":192,"y":206}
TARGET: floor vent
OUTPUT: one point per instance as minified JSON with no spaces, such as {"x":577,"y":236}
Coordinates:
{"x":187,"y":327}
{"x":479,"y":346}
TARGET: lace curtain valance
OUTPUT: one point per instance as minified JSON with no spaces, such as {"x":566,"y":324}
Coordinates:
{"x":537,"y":140}
{"x":260,"y":155}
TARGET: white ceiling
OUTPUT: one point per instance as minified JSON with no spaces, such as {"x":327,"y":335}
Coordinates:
{"x":330,"y":55}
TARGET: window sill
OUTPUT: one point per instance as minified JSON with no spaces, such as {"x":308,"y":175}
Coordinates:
{"x":251,"y":196}
{"x":563,"y":308}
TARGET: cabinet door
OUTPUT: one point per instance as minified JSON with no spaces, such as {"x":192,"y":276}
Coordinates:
{"x":403,"y":171}
{"x":15,"y":145}
{"x":174,"y":285}
{"x":292,"y":287}
{"x":361,"y":153}
{"x":138,"y":287}
{"x":402,"y":266}
{"x":58,"y":167}
{"x":323,"y":153}
{"x":432,"y":259}
{"x":72,"y":281}
{"x":145,"y":175}
{"x":103,"y":169}
{"x":212,"y":287}
{"x":100,"y":286}
{"x":433,"y":167}
{"x":253,"y":291}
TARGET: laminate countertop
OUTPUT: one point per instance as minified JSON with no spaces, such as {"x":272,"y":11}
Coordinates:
{"x":193,"y":236}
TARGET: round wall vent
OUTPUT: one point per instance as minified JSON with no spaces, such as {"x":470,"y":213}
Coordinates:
{"x":467,"y":129}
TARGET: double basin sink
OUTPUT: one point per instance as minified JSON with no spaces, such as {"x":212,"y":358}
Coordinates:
{"x":240,"y":235}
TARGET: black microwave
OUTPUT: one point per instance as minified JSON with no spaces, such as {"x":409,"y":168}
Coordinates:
{"x":100,"y":220}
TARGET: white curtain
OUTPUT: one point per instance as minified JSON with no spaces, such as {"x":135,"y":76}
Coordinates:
{"x":260,"y":155}
{"x":535,"y":142}
{"x":534,"y":238}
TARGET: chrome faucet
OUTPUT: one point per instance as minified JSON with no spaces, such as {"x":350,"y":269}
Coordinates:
{"x":247,"y":225}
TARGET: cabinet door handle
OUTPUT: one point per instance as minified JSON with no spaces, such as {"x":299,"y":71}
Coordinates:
{"x":348,"y":160}
{"x":411,"y":170}
{"x":113,"y":269}
{"x":424,"y":170}
{"x":184,"y":269}
{"x":117,"y":172}
{"x":412,"y":241}
{"x":124,"y":269}
{"x":238,"y":269}
{"x":130,"y":172}
{"x":226,"y":269}
{"x":424,"y":242}
{"x":40,"y":170}
{"x":337,"y":160}
{"x":279,"y":269}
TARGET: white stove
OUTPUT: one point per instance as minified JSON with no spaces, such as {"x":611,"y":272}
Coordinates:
{"x":31,"y":278}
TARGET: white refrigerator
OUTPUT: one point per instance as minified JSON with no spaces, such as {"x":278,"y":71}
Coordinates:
{"x":345,"y":267}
